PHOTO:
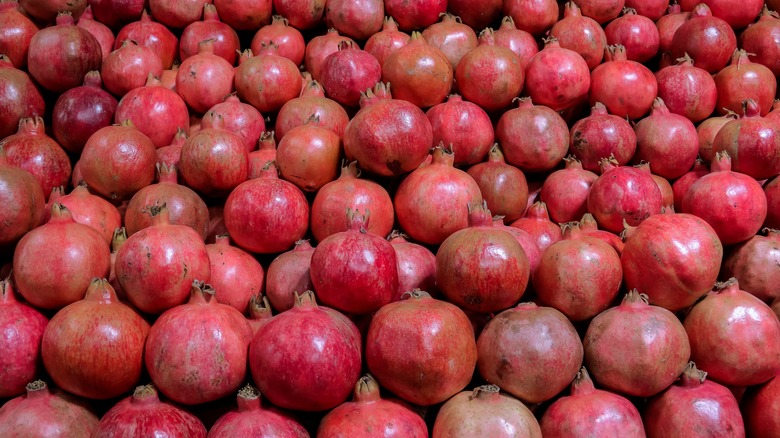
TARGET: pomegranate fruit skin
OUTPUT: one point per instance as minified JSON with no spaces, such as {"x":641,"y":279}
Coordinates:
{"x":452,"y":37}
{"x":435,"y":338}
{"x":205,"y":78}
{"x":532,"y":371}
{"x":742,"y":80}
{"x":477,"y":15}
{"x":80,"y":112}
{"x":240,"y":118}
{"x":348,"y":72}
{"x":17,"y":31}
{"x":303,"y":14}
{"x":464,"y":126}
{"x":678,"y":411}
{"x":687,"y":90}
{"x":668,"y":141}
{"x":20,"y":97}
{"x":288,"y":39}
{"x":518,"y":41}
{"x":610,"y":203}
{"x":736,"y":14}
{"x":386,"y":41}
{"x":287,"y":362}
{"x":602,"y":135}
{"x":756,"y":265}
{"x":368,"y":414}
{"x":537,"y":223}
{"x":627,"y":88}
{"x":590,"y":227}
{"x":235,"y":274}
{"x":24,"y":202}
{"x":128,"y":67}
{"x":312,"y":108}
{"x":565,"y":191}
{"x":707,"y":131}
{"x":760,"y":407}
{"x":308,"y":156}
{"x":581,"y":34}
{"x":214,"y":161}
{"x":359,"y":20}
{"x":709,"y":40}
{"x":485,"y":412}
{"x":197,"y":352}
{"x":92,"y":210}
{"x":46,"y":413}
{"x":683,"y":183}
{"x":420,"y":73}
{"x":151,"y":34}
{"x":115,"y":13}
{"x":415,"y":14}
{"x":226,"y":44}
{"x":156,"y":111}
{"x":23,"y":328}
{"x":252,"y":418}
{"x":288,"y":274}
{"x":772,"y":193}
{"x":603,"y":11}
{"x":571,"y":415}
{"x":615,"y":336}
{"x":637,"y":33}
{"x":416,"y":265}
{"x":526,"y":241}
{"x":177,"y":14}
{"x":319,"y":48}
{"x":557,"y":77}
{"x":503,"y":186}
{"x":72,"y":254}
{"x":752,"y":141}
{"x":534,"y":17}
{"x":760,"y":40}
{"x":267,"y":81}
{"x":743,"y":352}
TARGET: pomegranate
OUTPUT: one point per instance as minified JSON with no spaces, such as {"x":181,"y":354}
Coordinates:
{"x":23,"y":197}
{"x":736,"y":14}
{"x":416,"y":265}
{"x":19,"y":97}
{"x":420,"y":72}
{"x":356,"y":19}
{"x":205,"y":78}
{"x":303,"y":14}
{"x":287,"y":362}
{"x":60,"y":56}
{"x":77,"y":363}
{"x":752,"y":141}
{"x":238,"y":117}
{"x":214,"y":161}
{"x":388,"y":136}
{"x":464,"y":126}
{"x":760,"y":40}
{"x":743,"y":80}
{"x":23,"y":327}
{"x":17,"y":31}
{"x":452,"y":37}
{"x":626,"y":88}
{"x":590,"y":227}
{"x":319,"y":48}
{"x":153,"y":35}
{"x":743,"y":352}
{"x":92,"y":210}
{"x":177,"y":14}
{"x":260,"y":313}
{"x":503,"y":187}
{"x":245,"y":14}
{"x":681,"y":186}
{"x":603,"y":11}
{"x":731,"y":202}
{"x":668,"y":141}
{"x":114,"y":13}
{"x":557,"y":77}
{"x":386,"y":41}
{"x":760,"y":407}
{"x":226,"y":42}
{"x":537,"y":223}
{"x":653,"y":9}
{"x":709,"y":40}
{"x":565,"y":191}
{"x":288,"y":39}
{"x":288,"y":274}
{"x":81,"y":111}
{"x":635,"y":348}
{"x":117,"y":240}
{"x":602,"y":135}
{"x":313,"y":108}
{"x":708,"y":130}
{"x":687,"y":90}
{"x":581,"y":34}
{"x":157,"y":265}
{"x":118,"y":160}
{"x":235,"y":274}
{"x":42,"y":412}
{"x":346,"y":73}
{"x":544,"y":139}
{"x":267,"y":81}
{"x":201,"y":335}
{"x":518,"y":41}
{"x":321,"y":148}
{"x":772,"y":193}
{"x":252,"y":417}
{"x":534,"y":17}
{"x":636,"y":33}
{"x":525,"y":240}
{"x":432,"y":337}
{"x":266,"y":215}
{"x":128,"y":67}
{"x":499,"y":416}
{"x":415,"y":14}
{"x":432,"y":202}
{"x":170,"y":155}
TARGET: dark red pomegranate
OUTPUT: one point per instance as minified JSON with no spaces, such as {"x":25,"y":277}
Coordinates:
{"x":388,"y":136}
{"x":518,"y":41}
{"x":19,"y":97}
{"x":603,"y":11}
{"x":419,"y":72}
{"x":636,"y":33}
{"x":735,"y":336}
{"x":635,"y":348}
{"x":289,"y":274}
{"x":348,"y":72}
{"x":499,"y":415}
{"x":731,"y":202}
{"x":772,"y":192}
{"x":76,"y":363}
{"x":415,"y":14}
{"x":86,"y":256}
{"x":687,"y":90}
{"x":477,"y":15}
{"x":179,"y":342}
{"x":235,"y":274}
{"x":115,"y":13}
{"x":668,"y":25}
{"x":356,"y":19}
{"x":432,"y":202}
{"x":752,"y":141}
{"x":534,"y":17}
{"x":581,"y":34}
{"x":386,"y":41}
{"x":572,"y":414}
{"x":92,"y":210}
{"x":266,"y":215}
{"x":238,"y":117}
{"x":205,"y":78}
{"x":17,"y":31}
{"x":312,"y":108}
{"x":743,"y":80}
{"x":602,"y":135}
{"x":672,"y":258}
{"x":531,"y":352}
{"x":41,"y":412}
{"x":81,"y":111}
{"x":226,"y":42}
{"x":759,"y":408}
{"x":319,"y":48}
{"x":503,"y":187}
{"x":709,"y":40}
{"x":288,"y":39}
{"x":416,"y":265}
{"x":760,"y":40}
{"x":626,"y":88}
{"x":177,"y":14}
{"x":537,"y":223}
{"x":252,"y":417}
{"x":433,"y":337}
{"x":61,"y":55}
{"x":118,"y":160}
{"x":668,"y":141}
{"x":464,"y":126}
{"x":153,"y":35}
{"x":565,"y":191}
{"x":267,"y":81}
{"x":452,"y":37}
{"x":214,"y":161}
{"x":24,"y":199}
{"x":557,"y":77}
{"x":128,"y":67}
{"x":23,"y":327}
{"x":287,"y":362}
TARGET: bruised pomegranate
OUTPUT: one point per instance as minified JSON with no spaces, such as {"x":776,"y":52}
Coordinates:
{"x":668,"y":141}
{"x":24,"y":202}
{"x":503,"y":187}
{"x":709,"y":40}
{"x":537,"y":223}
{"x":288,"y":274}
{"x":92,"y":210}
{"x":581,"y":34}
{"x":600,"y":136}
{"x":42,"y":412}
{"x":235,"y":275}
{"x":80,"y":112}
{"x":756,"y":264}
{"x":565,"y":191}
{"x":627,"y":88}
{"x":252,"y":417}
{"x":557,"y":77}
{"x":420,"y":73}
{"x":23,"y":329}
{"x":464,"y":126}
{"x":389,"y":39}
{"x":752,"y":141}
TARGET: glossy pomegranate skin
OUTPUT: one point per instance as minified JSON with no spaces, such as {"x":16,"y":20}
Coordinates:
{"x":24,"y":200}
{"x":433,"y":337}
{"x":668,"y":141}
{"x":742,"y":352}
{"x":709,"y":40}
{"x":41,"y":412}
{"x":503,"y":186}
{"x":128,"y":67}
{"x":387,"y":136}
{"x":668,"y":24}
{"x":312,"y":108}
{"x":288,"y":39}
{"x":92,"y":210}
{"x":238,"y":117}
{"x":499,"y":415}
{"x":677,"y":411}
{"x":267,"y":81}
{"x":81,"y":111}
{"x":419,"y":72}
{"x":537,"y":223}
{"x":643,"y":200}
{"x":235,"y":274}
{"x":742,"y":80}
{"x":185,"y":338}
{"x":17,"y":31}
{"x":490,"y":75}
{"x":204,"y":79}
{"x":464,"y":126}
{"x":708,"y":130}
{"x":590,"y":227}
{"x":761,"y":38}
{"x":359,"y":20}
{"x":526,"y":241}
{"x":518,"y":41}
{"x":452,"y":37}
{"x":581,"y":34}
{"x":100,"y":31}
{"x":20,"y":97}
{"x":681,"y":186}
{"x":116,"y":13}
{"x":288,"y":274}
{"x":565,"y":191}
{"x":156,"y":111}
{"x":302,"y":378}
{"x":303,"y":14}
{"x":214,"y":161}
{"x":266,"y":215}
{"x":579,"y":275}
{"x":637,"y":33}
{"x":252,"y":417}
{"x":386,"y":41}
{"x":321,"y":148}
{"x":153,"y":280}
{"x":89,"y":336}
{"x":319,"y":48}
{"x":600,"y":136}
{"x":81,"y":255}
{"x":226,"y":44}
{"x":534,"y":17}
{"x":153,"y":35}
{"x":571,"y":415}
{"x":34,"y":151}
{"x":736,"y":14}
{"x":557,"y":77}
{"x":627,"y":88}
{"x":752,"y":141}
{"x":432,"y":202}
{"x":23,"y":327}
{"x":415,"y":14}
{"x":760,"y":407}
{"x":615,"y":337}
{"x":731,"y":202}
{"x":687,"y":90}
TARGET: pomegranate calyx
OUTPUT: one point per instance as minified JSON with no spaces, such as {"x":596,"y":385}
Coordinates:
{"x":633,"y":298}
{"x":306,"y":300}
{"x":730,"y":285}
{"x":484,"y":391}
{"x":259,"y":307}
{"x":415,"y":293}
{"x":692,"y":376}
{"x":582,"y":383}
{"x":37,"y":388}
{"x":119,"y":238}
{"x":366,"y":390}
{"x":145,"y":394}
{"x":248,"y":398}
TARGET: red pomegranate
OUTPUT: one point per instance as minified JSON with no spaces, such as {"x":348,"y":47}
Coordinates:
{"x":581,"y":34}
{"x":386,"y":41}
{"x":205,"y":78}
{"x":626,"y":88}
{"x":452,"y":37}
{"x":23,"y":197}
{"x":709,"y":40}
{"x":572,"y":414}
{"x":235,"y":275}
{"x":81,"y":111}
{"x":17,"y":31}
{"x":537,"y":223}
{"x":503,"y":187}
{"x":518,"y":41}
{"x":557,"y":77}
{"x":760,"y":40}
{"x":87,"y":257}
{"x":177,"y":14}
{"x":752,"y":141}
{"x":499,"y":416}
{"x":267,"y":81}
{"x":668,"y":141}
{"x":743,"y":80}
{"x":303,"y":14}
{"x":433,"y":337}
{"x":681,"y":186}
{"x":708,"y":130}
{"x":252,"y":417}
{"x":419,"y":72}
{"x":589,"y":226}
{"x":115,"y":13}
{"x":128,"y":67}
{"x":735,"y":336}
{"x":348,"y":72}
{"x":356,"y":19}
{"x":652,"y":9}
{"x":42,"y":412}
{"x":23,"y":327}
{"x":687,"y":90}
{"x":464,"y":126}
{"x":19,"y":97}
{"x":600,"y":136}
{"x":151,"y":34}
{"x":179,"y":342}
{"x":603,"y":11}
{"x":238,"y":117}
{"x":287,"y":361}
{"x":565,"y":191}
{"x":636,"y":349}
{"x":319,"y":48}
{"x":534,"y":17}
{"x":731,"y":202}
{"x":214,"y":161}
{"x":772,"y":193}
{"x":226,"y":42}
{"x":312,"y":108}
{"x":92,"y":210}
{"x":477,"y":15}
{"x":321,"y":149}
{"x":288,"y":39}
{"x":288,"y":274}
{"x":415,"y":14}
{"x":636,"y":33}
{"x":77,"y":363}
{"x":416,"y":265}
{"x":157,"y":265}
{"x":736,"y":14}
{"x":171,"y":155}
{"x":668,"y":24}
{"x":760,"y":407}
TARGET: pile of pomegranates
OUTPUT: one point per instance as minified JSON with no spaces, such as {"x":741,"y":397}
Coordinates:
{"x":375,"y":218}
